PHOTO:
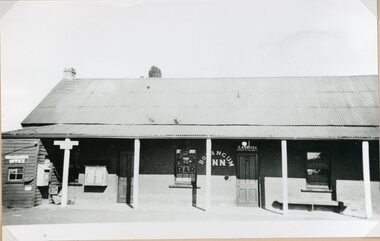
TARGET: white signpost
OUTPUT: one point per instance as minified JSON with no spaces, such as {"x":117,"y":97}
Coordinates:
{"x":66,"y":145}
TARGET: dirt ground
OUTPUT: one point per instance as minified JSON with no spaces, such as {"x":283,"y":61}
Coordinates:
{"x":113,"y":212}
{"x":105,"y":221}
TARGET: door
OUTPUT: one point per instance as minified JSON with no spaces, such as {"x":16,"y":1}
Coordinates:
{"x":247,"y":180}
{"x":125,"y":177}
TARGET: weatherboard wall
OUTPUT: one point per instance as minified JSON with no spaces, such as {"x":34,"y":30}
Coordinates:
{"x":19,"y":193}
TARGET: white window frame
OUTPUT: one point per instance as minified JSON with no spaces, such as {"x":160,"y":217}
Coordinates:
{"x":16,"y":169}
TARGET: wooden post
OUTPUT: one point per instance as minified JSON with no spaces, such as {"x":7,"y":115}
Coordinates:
{"x":136,"y":168}
{"x":284,"y":158}
{"x":367,"y":181}
{"x":208,"y":174}
{"x":66,"y":145}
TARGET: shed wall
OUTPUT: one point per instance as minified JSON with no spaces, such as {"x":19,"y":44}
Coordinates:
{"x":20,"y":193}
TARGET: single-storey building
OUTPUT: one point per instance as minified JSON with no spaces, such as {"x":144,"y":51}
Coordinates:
{"x":275,"y":143}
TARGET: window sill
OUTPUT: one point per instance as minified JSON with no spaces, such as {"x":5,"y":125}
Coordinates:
{"x":15,"y":182}
{"x":186,"y":186}
{"x":319,"y":190}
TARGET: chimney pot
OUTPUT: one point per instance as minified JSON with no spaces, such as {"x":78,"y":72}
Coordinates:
{"x":69,"y":73}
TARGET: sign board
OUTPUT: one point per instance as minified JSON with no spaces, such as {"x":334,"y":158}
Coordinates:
{"x":16,"y":159}
{"x":219,"y":158}
{"x":246,"y":147}
{"x":28,"y":188}
{"x":185,"y":165}
{"x":186,"y":169}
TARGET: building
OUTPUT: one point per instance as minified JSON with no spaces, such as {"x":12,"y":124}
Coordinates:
{"x":273,"y":143}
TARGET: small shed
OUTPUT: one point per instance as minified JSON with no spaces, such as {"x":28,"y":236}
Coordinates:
{"x":19,"y":172}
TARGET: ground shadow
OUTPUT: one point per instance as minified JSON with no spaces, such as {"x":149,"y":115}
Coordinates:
{"x":272,"y":211}
{"x":199,"y":208}
{"x":194,"y":197}
{"x":130,"y":205}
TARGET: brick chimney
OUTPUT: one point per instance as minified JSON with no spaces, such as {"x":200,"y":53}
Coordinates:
{"x":69,"y":73}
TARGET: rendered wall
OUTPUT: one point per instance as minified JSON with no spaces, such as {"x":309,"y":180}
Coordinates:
{"x":155,"y":192}
{"x":157,"y":171}
{"x":346,"y":175}
{"x":89,"y":152}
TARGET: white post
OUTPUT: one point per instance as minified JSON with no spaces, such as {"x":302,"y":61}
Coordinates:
{"x":208,"y":174}
{"x":366,"y":179}
{"x":136,"y":168}
{"x":284,"y":158}
{"x":65,"y":178}
{"x":66,"y":145}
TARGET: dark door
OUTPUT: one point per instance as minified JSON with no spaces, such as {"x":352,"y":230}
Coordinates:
{"x":125,"y":177}
{"x":247,"y":180}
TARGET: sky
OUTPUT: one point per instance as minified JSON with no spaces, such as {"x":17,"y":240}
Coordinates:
{"x":197,"y":38}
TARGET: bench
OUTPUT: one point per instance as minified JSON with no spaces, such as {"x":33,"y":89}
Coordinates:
{"x":312,"y":205}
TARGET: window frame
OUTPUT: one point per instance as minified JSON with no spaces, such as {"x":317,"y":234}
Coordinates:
{"x":16,"y":180}
{"x":177,"y":180}
{"x":310,"y":185}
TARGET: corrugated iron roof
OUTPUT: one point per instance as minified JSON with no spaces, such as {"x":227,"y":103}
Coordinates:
{"x":190,"y":131}
{"x":282,"y":101}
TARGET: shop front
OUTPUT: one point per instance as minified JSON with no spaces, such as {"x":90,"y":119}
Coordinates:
{"x":273,"y":143}
{"x":244,"y":172}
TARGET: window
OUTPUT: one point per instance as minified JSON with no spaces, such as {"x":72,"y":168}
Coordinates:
{"x":317,"y":169}
{"x":15,"y":174}
{"x":185,"y":166}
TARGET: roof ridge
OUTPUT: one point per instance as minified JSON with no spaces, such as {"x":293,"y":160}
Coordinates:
{"x":213,"y":78}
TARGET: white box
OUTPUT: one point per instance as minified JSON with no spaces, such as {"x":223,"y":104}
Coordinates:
{"x":96,"y":176}
{"x":43,"y":175}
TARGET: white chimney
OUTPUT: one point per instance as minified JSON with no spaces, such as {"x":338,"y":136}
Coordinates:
{"x":69,"y":73}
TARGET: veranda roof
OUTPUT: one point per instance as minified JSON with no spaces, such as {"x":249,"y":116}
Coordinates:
{"x":196,"y":132}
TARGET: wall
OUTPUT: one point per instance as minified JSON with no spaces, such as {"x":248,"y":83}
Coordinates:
{"x":89,"y":152}
{"x":346,"y":174}
{"x":157,"y":170}
{"x":40,"y":192}
{"x":108,"y":193}
{"x":158,"y":156}
{"x":154,"y":191}
{"x":17,"y":194}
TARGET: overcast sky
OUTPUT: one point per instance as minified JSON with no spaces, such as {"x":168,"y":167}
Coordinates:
{"x":183,"y":38}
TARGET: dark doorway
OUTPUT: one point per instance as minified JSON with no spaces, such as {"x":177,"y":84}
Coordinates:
{"x":125,"y":177}
{"x":247,"y":180}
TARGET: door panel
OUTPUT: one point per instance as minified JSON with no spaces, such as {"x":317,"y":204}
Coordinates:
{"x":247,"y":180}
{"x":125,"y":177}
{"x":242,"y":195}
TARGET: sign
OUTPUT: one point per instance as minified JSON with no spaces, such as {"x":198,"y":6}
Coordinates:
{"x":186,"y":169}
{"x":28,"y":188}
{"x":219,"y":158}
{"x":246,"y":147}
{"x":16,"y":159}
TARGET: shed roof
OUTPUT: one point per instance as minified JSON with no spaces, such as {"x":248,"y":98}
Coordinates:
{"x":282,"y":101}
